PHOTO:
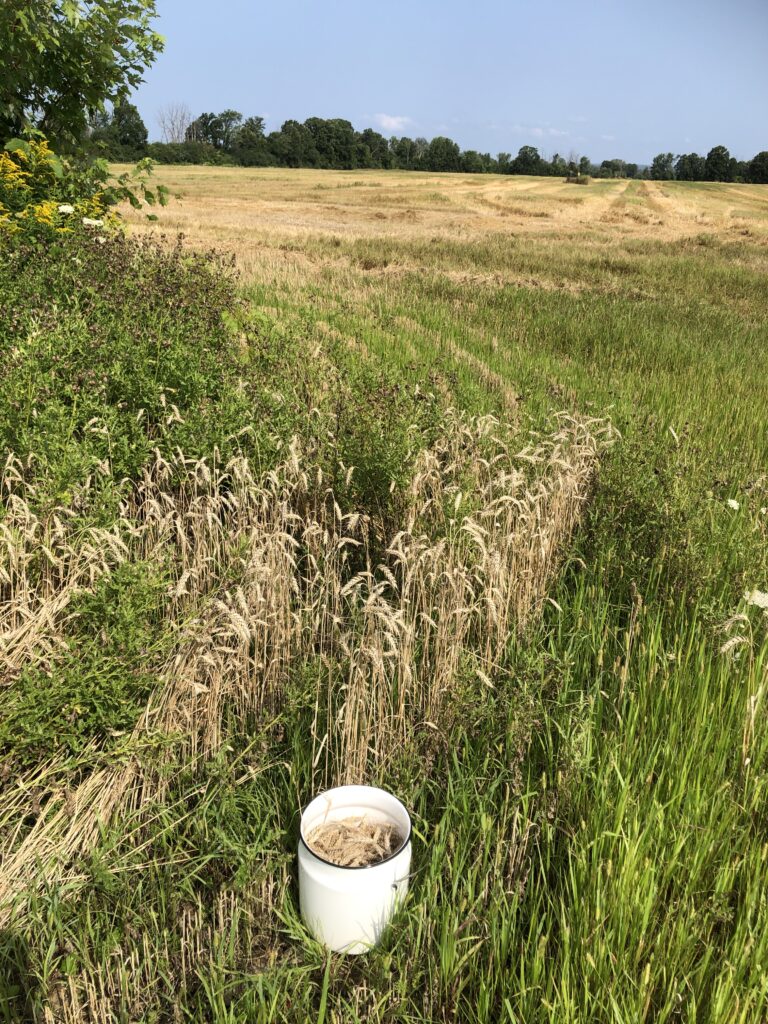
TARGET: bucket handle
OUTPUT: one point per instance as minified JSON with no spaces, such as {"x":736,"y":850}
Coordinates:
{"x":408,"y":877}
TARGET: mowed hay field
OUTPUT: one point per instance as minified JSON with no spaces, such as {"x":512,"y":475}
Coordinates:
{"x":242,"y":206}
{"x":463,"y":492}
{"x":518,"y":293}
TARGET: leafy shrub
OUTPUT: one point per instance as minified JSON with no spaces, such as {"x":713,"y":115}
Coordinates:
{"x":110,"y":348}
{"x":37,"y":190}
{"x":42,"y":193}
{"x":188,"y":153}
{"x":113,"y":347}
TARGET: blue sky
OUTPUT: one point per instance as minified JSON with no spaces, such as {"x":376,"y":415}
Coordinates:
{"x":602,"y":77}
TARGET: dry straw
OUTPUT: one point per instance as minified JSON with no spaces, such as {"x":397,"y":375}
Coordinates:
{"x":355,"y":842}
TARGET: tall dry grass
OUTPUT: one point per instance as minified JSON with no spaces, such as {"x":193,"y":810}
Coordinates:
{"x":45,"y":561}
{"x":443,"y":606}
{"x":269,"y":575}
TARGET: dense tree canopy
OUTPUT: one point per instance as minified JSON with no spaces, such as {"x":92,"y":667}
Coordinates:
{"x":121,"y":132}
{"x":718,"y":164}
{"x":63,"y":59}
{"x":527,"y":161}
{"x":758,"y":168}
{"x":217,"y":130}
{"x":690,"y":167}
{"x":373,"y":150}
{"x":663,"y":167}
{"x":250,"y":143}
{"x":613,"y":168}
{"x":334,"y":143}
{"x":442,"y":155}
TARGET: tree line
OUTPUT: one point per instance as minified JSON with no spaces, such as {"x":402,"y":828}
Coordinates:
{"x":717,"y":165}
{"x":230,"y":138}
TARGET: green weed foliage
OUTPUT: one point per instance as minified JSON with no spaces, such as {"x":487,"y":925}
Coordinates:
{"x":114,"y":335}
{"x":123,"y":348}
{"x":97,"y":687}
{"x":590,"y":830}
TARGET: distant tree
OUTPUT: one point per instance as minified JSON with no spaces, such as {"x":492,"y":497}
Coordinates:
{"x":585,"y":166}
{"x":230,"y":121}
{"x":614,"y":168}
{"x":557,"y":166}
{"x":663,"y":167}
{"x":527,"y":161}
{"x":472,"y":162}
{"x":187,"y":153}
{"x":334,"y":140}
{"x":738,"y":170}
{"x":217,"y":130}
{"x":718,"y":164}
{"x":402,"y":152}
{"x":573,"y":162}
{"x":420,"y":148}
{"x":631,"y":170}
{"x":294,"y":146}
{"x":249,"y":144}
{"x":504,"y":163}
{"x":372,"y":149}
{"x":205,"y":128}
{"x":174,"y":119}
{"x":690,"y":167}
{"x":130,"y":130}
{"x":121,"y":131}
{"x":757,"y":169}
{"x":252,"y":130}
{"x":443,"y":155}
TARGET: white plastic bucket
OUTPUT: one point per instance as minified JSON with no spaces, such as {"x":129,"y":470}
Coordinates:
{"x":349,"y":908}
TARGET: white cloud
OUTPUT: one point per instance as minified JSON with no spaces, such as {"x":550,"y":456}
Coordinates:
{"x":540,"y":131}
{"x":608,"y":138}
{"x":392,"y":122}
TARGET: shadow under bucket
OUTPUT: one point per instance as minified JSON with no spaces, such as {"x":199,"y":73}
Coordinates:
{"x":348,"y":908}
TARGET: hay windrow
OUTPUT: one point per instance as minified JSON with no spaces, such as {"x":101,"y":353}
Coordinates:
{"x":355,"y":842}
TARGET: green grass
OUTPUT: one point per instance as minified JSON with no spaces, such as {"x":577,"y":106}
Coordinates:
{"x":590,"y":842}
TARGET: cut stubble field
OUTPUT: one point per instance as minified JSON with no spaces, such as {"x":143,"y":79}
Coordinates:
{"x":491,"y":530}
{"x":239,"y":206}
{"x":529,"y":288}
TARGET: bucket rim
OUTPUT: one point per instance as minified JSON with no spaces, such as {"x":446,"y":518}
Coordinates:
{"x":358,"y":867}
